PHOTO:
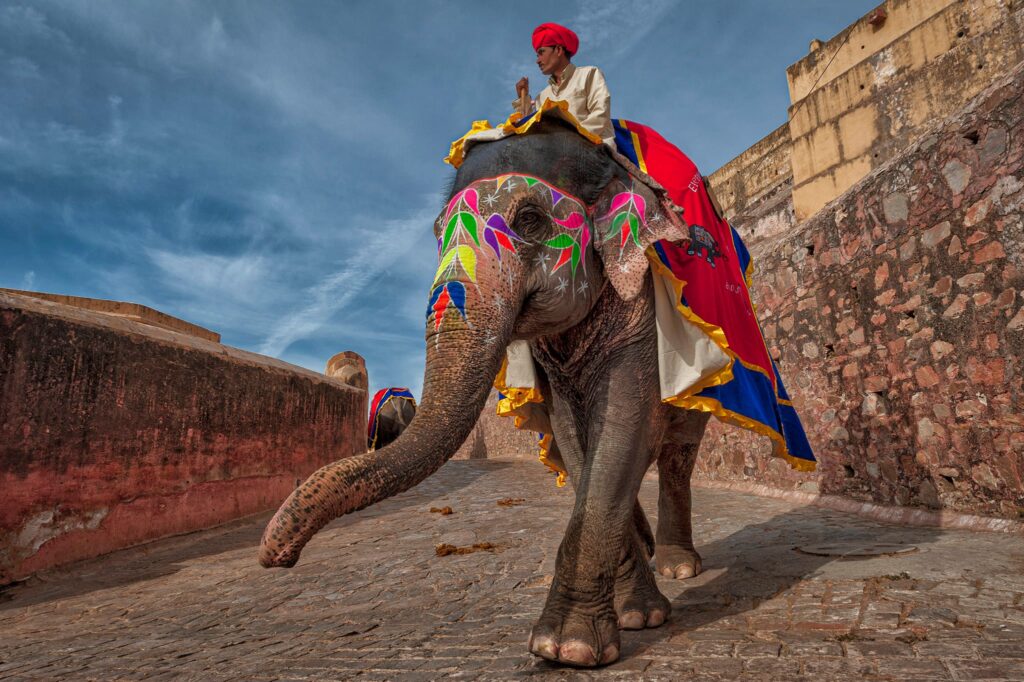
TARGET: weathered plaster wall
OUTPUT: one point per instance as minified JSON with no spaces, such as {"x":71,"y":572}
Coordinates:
{"x":863,"y":96}
{"x":113,"y":432}
{"x":896,"y":317}
{"x":757,"y":172}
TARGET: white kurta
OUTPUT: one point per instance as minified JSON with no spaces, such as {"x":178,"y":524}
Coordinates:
{"x":584,"y":89}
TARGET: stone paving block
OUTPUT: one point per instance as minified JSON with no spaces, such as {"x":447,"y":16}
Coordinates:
{"x":992,"y":669}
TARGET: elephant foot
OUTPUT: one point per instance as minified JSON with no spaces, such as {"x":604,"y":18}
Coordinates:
{"x":638,"y":601}
{"x":566,"y":633}
{"x":674,"y":561}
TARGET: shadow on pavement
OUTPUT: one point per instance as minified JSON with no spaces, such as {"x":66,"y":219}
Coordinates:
{"x":759,"y":561}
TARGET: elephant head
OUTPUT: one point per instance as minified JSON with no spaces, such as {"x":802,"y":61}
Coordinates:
{"x":534,"y":228}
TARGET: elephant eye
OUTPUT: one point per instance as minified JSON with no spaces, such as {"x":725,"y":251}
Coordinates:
{"x":529,"y":219}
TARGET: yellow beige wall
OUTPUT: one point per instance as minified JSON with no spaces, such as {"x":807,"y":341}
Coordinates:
{"x":754,"y":173}
{"x":868,"y":92}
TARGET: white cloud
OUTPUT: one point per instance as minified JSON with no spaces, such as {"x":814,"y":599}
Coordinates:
{"x":612,"y":29}
{"x":388,"y":242}
{"x":29,"y":281}
{"x":207,"y":274}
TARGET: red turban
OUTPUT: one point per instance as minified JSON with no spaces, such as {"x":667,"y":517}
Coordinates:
{"x":554,"y":34}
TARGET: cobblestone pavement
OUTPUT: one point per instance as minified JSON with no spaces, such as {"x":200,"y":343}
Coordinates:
{"x":371,"y":599}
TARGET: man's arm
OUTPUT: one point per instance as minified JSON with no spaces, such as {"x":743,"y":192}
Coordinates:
{"x":599,"y":104}
{"x":523,"y":104}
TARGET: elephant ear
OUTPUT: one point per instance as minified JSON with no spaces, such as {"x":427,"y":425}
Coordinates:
{"x":628,"y":220}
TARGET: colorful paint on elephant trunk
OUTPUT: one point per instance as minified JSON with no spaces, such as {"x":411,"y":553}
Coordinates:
{"x":447,"y":294}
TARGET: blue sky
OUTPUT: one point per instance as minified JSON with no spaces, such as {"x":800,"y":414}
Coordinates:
{"x":271,"y":170}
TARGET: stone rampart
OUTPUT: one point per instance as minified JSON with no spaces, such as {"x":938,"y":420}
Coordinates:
{"x":125,"y":309}
{"x":114,"y":432}
{"x":865,"y":95}
{"x":754,"y":174}
{"x":496,"y":437}
{"x":895,"y":314}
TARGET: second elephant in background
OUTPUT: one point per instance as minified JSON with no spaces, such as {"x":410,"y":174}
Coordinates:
{"x":391,"y":411}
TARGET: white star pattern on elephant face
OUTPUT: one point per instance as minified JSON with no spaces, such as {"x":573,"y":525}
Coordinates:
{"x":491,"y":199}
{"x":563,"y":284}
{"x":541,"y":261}
{"x":582,"y":289}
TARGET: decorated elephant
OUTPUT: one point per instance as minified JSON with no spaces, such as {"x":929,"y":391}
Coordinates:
{"x":391,"y":412}
{"x":543,"y":242}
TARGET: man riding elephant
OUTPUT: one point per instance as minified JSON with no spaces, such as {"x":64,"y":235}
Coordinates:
{"x":583,"y":87}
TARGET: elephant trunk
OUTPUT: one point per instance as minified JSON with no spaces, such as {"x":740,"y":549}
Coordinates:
{"x":461,"y":365}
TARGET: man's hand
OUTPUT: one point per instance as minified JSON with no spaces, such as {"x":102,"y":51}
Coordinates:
{"x":523,"y":87}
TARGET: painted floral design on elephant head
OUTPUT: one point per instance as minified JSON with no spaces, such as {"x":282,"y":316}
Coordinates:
{"x":464,"y":231}
{"x":627,"y":212}
{"x":572,"y":244}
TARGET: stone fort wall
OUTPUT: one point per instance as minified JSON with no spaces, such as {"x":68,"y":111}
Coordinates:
{"x":860,"y":98}
{"x":115,"y":431}
{"x":896,"y":317}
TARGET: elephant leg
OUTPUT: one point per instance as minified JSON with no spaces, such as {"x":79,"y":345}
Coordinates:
{"x":638,"y":602}
{"x":675,"y":556}
{"x":579,"y":624}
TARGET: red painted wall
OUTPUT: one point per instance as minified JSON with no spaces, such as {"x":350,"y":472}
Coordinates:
{"x":113,"y":433}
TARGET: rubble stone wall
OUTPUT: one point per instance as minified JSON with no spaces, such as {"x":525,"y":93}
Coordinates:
{"x":114,"y":432}
{"x":896,"y":316}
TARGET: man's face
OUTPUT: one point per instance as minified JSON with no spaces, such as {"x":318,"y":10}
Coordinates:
{"x":551,"y":59}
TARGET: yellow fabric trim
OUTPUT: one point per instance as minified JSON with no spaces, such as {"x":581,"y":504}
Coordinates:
{"x":724,"y":375}
{"x":705,"y":404}
{"x":689,"y":399}
{"x":714,"y":331}
{"x":514,"y":397}
{"x":640,"y":162}
{"x":545,"y":447}
{"x":457,"y":151}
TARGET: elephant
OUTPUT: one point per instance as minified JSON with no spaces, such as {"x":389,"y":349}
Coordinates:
{"x":391,"y":412}
{"x":543,"y":240}
{"x":701,"y":240}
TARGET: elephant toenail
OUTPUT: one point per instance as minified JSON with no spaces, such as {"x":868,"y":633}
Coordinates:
{"x":545,"y":647}
{"x":610,"y":654}
{"x":683,"y":572}
{"x":577,"y":653}
{"x":631,"y":620}
{"x":656,"y":618}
